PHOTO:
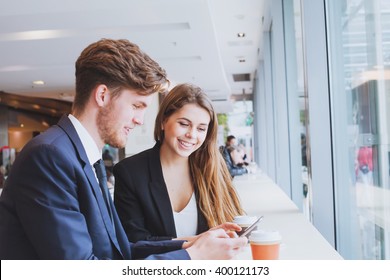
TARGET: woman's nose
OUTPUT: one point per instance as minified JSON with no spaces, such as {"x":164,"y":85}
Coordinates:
{"x":191,"y":133}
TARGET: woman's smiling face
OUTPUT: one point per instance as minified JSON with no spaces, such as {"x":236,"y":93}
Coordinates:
{"x":186,"y":129}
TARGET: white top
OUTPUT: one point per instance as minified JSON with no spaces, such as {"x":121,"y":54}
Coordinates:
{"x":186,"y":221}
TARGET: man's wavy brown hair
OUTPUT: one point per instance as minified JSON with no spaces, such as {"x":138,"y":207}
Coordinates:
{"x":118,"y":64}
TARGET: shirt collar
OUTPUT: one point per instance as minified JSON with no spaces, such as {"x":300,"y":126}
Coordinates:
{"x":92,"y":150}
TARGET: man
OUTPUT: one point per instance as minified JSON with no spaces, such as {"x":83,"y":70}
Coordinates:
{"x":232,"y":157}
{"x":230,"y":141}
{"x":52,"y":206}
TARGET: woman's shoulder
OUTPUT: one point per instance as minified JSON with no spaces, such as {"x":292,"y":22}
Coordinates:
{"x":136,"y":157}
{"x":140,"y":165}
{"x":140,"y":158}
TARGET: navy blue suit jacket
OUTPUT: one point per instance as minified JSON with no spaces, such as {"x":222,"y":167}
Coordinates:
{"x":52,"y":207}
{"x":142,"y":199}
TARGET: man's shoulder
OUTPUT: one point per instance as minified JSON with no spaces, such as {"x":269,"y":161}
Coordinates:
{"x":51,"y":136}
{"x":225,"y":152}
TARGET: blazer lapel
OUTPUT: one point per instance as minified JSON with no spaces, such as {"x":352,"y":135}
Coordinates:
{"x":121,"y":236}
{"x":68,"y":127}
{"x":102,"y":206}
{"x":159,"y":191}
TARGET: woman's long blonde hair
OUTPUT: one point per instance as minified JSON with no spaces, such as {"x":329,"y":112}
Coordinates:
{"x":218,"y":199}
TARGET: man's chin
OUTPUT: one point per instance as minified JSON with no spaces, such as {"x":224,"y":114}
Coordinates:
{"x":117,"y":144}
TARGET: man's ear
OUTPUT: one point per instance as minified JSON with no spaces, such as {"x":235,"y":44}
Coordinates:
{"x":101,"y":95}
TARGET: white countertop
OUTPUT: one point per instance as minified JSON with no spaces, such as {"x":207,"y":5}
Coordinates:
{"x":301,"y":240}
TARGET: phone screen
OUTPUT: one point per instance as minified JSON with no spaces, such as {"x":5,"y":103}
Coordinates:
{"x":250,"y":228}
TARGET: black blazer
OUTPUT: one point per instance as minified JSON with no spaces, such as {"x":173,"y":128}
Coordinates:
{"x":142,"y":201}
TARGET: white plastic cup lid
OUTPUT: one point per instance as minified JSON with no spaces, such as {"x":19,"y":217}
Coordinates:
{"x":244,"y":220}
{"x":265,"y":236}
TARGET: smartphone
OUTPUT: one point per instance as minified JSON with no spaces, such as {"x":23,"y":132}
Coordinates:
{"x":250,"y":228}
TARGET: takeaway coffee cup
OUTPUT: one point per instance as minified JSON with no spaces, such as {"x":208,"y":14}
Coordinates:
{"x":244,"y":222}
{"x":265,"y":244}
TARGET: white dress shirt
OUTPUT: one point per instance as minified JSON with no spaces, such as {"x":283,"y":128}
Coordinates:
{"x":92,"y":150}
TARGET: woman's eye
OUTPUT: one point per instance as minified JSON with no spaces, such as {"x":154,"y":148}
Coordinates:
{"x":183,"y":124}
{"x":202,"y":129}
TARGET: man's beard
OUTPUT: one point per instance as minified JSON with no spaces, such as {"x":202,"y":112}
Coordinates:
{"x":108,"y":127}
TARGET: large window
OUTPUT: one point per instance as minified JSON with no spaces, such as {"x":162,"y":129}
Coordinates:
{"x":240,"y":123}
{"x":297,"y":97}
{"x":359,"y":59}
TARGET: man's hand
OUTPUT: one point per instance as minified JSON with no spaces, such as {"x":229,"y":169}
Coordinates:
{"x":216,"y":244}
{"x":230,"y":228}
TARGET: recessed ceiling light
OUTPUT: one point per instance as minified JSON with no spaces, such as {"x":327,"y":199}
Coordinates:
{"x":241,"y":35}
{"x":38,"y":83}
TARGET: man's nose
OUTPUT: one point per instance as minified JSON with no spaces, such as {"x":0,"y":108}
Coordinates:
{"x":138,"y":121}
{"x":139,"y":117}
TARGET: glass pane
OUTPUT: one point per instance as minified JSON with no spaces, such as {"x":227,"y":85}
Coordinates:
{"x":240,"y":124}
{"x":298,"y":100}
{"x":359,"y":48}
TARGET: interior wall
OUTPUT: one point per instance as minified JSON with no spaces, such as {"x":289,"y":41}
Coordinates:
{"x":17,"y":139}
{"x":141,"y":137}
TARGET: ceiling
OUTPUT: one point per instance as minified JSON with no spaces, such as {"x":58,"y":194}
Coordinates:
{"x":195,"y":41}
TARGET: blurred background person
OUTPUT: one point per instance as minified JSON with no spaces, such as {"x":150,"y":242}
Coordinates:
{"x":233,"y":157}
{"x":234,"y":161}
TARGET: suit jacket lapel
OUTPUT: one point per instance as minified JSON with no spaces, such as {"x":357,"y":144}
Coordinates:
{"x":100,"y":200}
{"x":121,"y":237}
{"x":159,"y":191}
{"x":68,"y":127}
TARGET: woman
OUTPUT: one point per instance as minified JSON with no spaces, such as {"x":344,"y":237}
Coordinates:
{"x":181,"y":187}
